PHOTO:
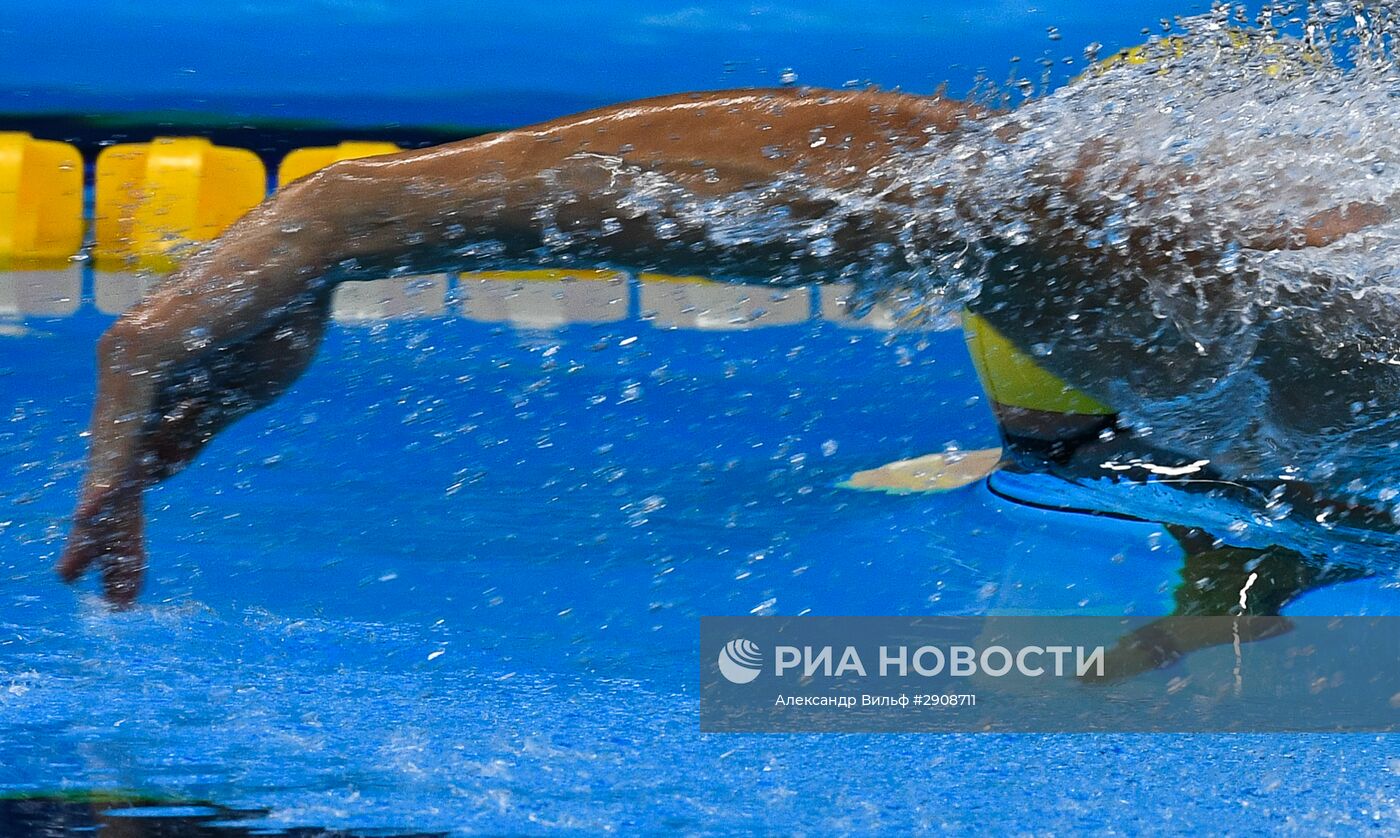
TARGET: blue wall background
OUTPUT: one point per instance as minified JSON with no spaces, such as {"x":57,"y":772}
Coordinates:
{"x":370,"y":61}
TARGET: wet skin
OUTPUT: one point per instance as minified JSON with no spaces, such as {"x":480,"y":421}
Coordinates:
{"x":237,"y":324}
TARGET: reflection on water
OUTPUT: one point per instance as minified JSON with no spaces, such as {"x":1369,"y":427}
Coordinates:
{"x":133,"y":816}
{"x":525,"y":299}
{"x":41,"y":293}
{"x":116,"y":291}
{"x":545,"y":299}
{"x":529,"y":299}
{"x":709,"y":306}
{"x":1252,"y":584}
{"x":386,"y":299}
{"x":841,"y":303}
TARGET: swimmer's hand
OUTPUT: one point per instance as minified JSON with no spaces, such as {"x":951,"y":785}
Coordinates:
{"x":110,"y":536}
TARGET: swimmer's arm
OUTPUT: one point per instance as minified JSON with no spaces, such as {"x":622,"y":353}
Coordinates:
{"x":638,"y":185}
{"x":1087,"y":202}
{"x":655,"y":185}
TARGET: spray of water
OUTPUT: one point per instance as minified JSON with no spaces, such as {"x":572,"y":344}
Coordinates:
{"x":1156,"y":232}
{"x":1201,"y":233}
{"x":1167,"y":208}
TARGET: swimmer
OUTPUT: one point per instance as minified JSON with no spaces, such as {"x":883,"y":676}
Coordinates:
{"x":708,"y":183}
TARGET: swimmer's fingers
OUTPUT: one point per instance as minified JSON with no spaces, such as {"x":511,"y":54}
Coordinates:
{"x":112,"y":539}
{"x":122,"y":574}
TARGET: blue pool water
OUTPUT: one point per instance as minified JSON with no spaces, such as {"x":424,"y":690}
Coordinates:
{"x":452,"y":582}
{"x":468,"y":62}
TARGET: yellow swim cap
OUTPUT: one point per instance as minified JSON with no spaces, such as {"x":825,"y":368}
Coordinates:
{"x":1283,"y":56}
